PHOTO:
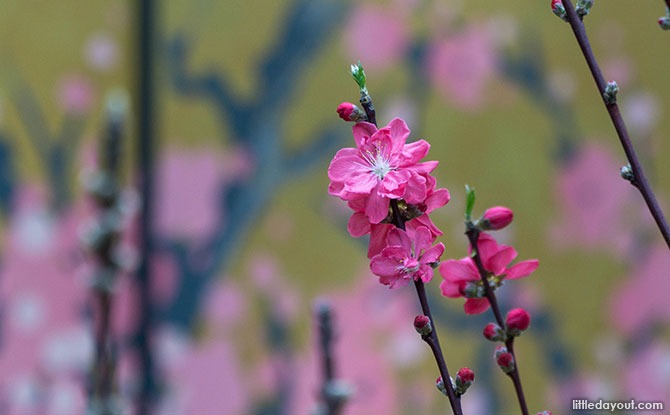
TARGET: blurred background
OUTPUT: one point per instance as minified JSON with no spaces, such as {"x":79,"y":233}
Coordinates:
{"x":245,"y":238}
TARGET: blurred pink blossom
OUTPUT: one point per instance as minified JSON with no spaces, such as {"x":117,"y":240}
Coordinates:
{"x":637,"y":303}
{"x":461,"y":65}
{"x":76,"y":95}
{"x":207,"y":380}
{"x":593,"y":201}
{"x":376,"y":36}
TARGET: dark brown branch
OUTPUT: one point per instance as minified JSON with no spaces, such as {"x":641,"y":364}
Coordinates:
{"x":639,"y":180}
{"x":473,"y":237}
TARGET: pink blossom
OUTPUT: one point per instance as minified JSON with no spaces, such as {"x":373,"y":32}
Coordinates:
{"x":462,"y":279}
{"x":406,"y":259}
{"x":461,"y":65}
{"x":381,"y":168}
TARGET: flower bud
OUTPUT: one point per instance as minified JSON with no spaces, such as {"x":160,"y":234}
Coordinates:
{"x":504,"y":359}
{"x":583,"y":7}
{"x":496,"y":218}
{"x":439,"y":384}
{"x":559,"y":10}
{"x":544,"y":413}
{"x":464,"y":378}
{"x":422,"y":325}
{"x":494,"y":333}
{"x":517,"y":321}
{"x":664,"y":22}
{"x":350,"y":112}
{"x":611,"y":91}
{"x":627,"y":173}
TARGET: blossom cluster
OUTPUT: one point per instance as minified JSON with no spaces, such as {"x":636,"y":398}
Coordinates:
{"x":384,"y":176}
{"x":392,"y":193}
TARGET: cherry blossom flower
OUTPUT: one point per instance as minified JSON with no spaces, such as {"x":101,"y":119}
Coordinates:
{"x":461,"y":277}
{"x":405,"y":259}
{"x":381,"y":168}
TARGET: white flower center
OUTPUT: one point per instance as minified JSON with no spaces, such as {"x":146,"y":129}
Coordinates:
{"x":380,"y":167}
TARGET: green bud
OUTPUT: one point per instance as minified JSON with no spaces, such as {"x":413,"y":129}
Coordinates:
{"x":469,"y":202}
{"x":358,"y":74}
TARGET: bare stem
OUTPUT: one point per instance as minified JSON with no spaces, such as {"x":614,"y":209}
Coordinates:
{"x":639,"y":179}
{"x":473,"y":237}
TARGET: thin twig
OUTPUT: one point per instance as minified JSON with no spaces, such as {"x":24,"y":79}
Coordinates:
{"x":639,"y":179}
{"x":145,"y":133}
{"x":333,"y":398}
{"x":431,"y":339}
{"x":473,"y":237}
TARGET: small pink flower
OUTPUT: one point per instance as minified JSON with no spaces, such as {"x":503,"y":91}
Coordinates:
{"x":517,"y":321}
{"x":496,"y":218}
{"x":462,"y":279}
{"x":381,"y":167}
{"x":405,"y":259}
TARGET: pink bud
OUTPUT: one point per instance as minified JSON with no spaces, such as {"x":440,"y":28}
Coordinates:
{"x":517,"y":321}
{"x":464,"y":378}
{"x":555,"y":4}
{"x":466,"y":375}
{"x":544,"y":413}
{"x":439,"y":384}
{"x":422,"y":325}
{"x":504,"y":359}
{"x":350,"y":112}
{"x":494,"y":333}
{"x":496,"y":218}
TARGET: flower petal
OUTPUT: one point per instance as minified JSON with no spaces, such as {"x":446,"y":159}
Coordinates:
{"x":451,"y":289}
{"x":358,"y":225}
{"x":459,"y":270}
{"x":475,"y":305}
{"x":377,"y":207}
{"x":522,"y":269}
{"x":433,"y":254}
{"x":497,"y":264}
{"x":362,"y":132}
